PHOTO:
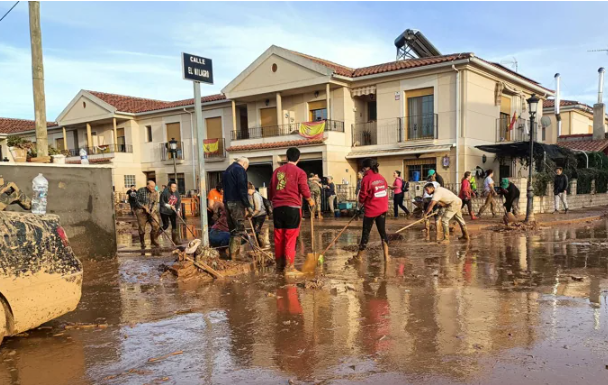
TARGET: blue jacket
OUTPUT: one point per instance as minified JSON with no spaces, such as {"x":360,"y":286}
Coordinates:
{"x":234,"y":181}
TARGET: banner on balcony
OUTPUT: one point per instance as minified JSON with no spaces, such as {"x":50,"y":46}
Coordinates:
{"x":312,"y":130}
{"x":211,"y":146}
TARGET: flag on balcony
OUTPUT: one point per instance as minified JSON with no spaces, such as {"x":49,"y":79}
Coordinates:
{"x":312,"y":130}
{"x":513,"y":120}
{"x":211,"y":146}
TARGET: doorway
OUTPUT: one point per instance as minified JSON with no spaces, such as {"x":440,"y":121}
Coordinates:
{"x":260,"y":174}
{"x":268,"y":119}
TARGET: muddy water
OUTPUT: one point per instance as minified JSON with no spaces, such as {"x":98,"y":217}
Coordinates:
{"x":525,"y":308}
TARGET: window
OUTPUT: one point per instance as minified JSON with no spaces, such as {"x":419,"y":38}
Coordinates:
{"x":150,"y":175}
{"x":129,"y":180}
{"x":174,"y":132}
{"x":372,"y":111}
{"x":59,"y":144}
{"x":317,"y":110}
{"x":420,"y":114}
{"x":214,"y":127}
{"x":181,"y":181}
{"x":148,"y":133}
{"x":420,"y":167}
{"x":504,"y":132}
{"x":121,"y":145}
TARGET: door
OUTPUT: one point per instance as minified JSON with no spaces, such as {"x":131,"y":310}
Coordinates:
{"x":268,"y":117}
{"x":214,"y":128}
{"x":120,"y":140}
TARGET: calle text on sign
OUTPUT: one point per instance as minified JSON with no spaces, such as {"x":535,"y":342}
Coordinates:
{"x":197,"y":68}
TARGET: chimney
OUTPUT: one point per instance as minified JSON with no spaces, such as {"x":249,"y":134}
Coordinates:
{"x":558,"y":101}
{"x":599,"y":109}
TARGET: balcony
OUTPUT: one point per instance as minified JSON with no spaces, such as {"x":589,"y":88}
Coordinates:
{"x":282,"y":130}
{"x":167,"y":155}
{"x":103,"y":150}
{"x":518,"y":132}
{"x":394,"y":130}
{"x":215,"y":149}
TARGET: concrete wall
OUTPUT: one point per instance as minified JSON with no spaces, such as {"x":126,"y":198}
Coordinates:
{"x":81,"y":196}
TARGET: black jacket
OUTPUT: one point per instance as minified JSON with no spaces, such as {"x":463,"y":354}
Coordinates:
{"x":169,"y":198}
{"x":511,"y":193}
{"x":235,"y":184}
{"x":132,"y":197}
{"x":560,"y":184}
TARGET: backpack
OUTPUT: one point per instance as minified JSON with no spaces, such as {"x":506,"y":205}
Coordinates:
{"x":405,"y":186}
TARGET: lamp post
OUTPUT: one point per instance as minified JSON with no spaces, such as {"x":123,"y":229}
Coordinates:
{"x":533,"y":104}
{"x":173,"y":149}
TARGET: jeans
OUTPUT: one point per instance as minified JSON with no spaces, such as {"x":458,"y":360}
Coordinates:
{"x":219,"y":238}
{"x":368,"y":223}
{"x":489,"y":202}
{"x":169,"y":218}
{"x":561,"y":196}
{"x":398,"y":202}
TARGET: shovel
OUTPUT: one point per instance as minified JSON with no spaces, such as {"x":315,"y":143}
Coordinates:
{"x":413,"y":223}
{"x":321,"y":258}
{"x":311,"y":258}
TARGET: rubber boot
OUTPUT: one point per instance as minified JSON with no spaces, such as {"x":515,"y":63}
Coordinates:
{"x":473,"y":217}
{"x":175,"y":236}
{"x":291,"y":271}
{"x":235,"y":248}
{"x":465,"y":234}
{"x":385,"y":249}
{"x":154,"y":239}
{"x":142,"y":240}
{"x":280,"y":264}
{"x":439,"y":228}
{"x":446,"y":235}
{"x":358,"y":257}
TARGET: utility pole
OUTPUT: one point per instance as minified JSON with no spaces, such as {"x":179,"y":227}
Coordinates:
{"x":42,"y":143}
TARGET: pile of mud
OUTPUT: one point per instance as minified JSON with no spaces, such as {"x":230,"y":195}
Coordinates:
{"x":516,"y":226}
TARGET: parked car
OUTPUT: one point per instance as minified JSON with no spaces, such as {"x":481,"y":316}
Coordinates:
{"x":40,"y":278}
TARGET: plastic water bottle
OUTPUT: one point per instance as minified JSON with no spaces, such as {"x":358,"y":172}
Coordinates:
{"x":40,"y":186}
{"x":84,"y":159}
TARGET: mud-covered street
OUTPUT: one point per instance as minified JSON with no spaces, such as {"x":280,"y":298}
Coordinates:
{"x":509,"y":307}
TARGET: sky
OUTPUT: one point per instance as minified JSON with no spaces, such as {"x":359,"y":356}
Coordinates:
{"x":134,"y":48}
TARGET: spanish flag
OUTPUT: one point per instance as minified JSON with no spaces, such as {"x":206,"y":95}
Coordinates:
{"x":312,"y":130}
{"x":211,"y":146}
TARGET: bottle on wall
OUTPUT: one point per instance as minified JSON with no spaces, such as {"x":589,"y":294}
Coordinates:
{"x":40,"y":186}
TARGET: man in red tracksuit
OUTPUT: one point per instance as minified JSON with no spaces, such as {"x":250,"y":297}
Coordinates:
{"x":287,"y":187}
{"x":373,"y":196}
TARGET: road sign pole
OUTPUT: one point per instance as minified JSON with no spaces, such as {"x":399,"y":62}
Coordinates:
{"x":202,"y":177}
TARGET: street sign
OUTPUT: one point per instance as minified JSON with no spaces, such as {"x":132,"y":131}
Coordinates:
{"x":196,"y":68}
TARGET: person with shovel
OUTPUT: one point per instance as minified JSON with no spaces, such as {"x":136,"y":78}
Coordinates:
{"x":373,"y":196}
{"x":236,"y":202}
{"x":511,"y":194}
{"x":170,"y":208}
{"x":258,"y":217}
{"x":146,"y":211}
{"x":451,"y":209}
{"x":287,"y":187}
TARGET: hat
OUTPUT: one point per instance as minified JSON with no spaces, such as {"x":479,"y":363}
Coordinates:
{"x":431,"y":172}
{"x":504,"y":183}
{"x":311,"y":175}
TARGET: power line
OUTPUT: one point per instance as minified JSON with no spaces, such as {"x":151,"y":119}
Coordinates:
{"x":9,"y":11}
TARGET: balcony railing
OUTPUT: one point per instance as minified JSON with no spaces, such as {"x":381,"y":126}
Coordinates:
{"x":215,"y":148}
{"x":394,"y":130}
{"x":519,"y":131}
{"x":167,"y":154}
{"x":103,"y":149}
{"x":282,"y":130}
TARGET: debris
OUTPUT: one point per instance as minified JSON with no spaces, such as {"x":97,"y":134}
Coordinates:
{"x":166,"y":356}
{"x":578,"y":279}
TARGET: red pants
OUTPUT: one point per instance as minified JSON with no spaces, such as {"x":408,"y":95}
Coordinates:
{"x":285,"y":243}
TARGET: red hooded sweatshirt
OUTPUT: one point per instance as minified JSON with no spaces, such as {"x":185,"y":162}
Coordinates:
{"x":288,"y":185}
{"x":373,"y":194}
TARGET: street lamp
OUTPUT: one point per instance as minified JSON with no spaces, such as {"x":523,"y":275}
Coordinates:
{"x":173,"y":149}
{"x":533,"y":103}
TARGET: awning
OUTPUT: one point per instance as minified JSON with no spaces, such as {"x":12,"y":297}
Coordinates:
{"x":361,"y":91}
{"x":522,"y":150}
{"x":410,"y":150}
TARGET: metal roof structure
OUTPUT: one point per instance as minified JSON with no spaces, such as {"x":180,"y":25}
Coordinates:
{"x":412,"y":44}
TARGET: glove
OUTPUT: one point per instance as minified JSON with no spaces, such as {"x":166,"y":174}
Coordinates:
{"x":311,"y":202}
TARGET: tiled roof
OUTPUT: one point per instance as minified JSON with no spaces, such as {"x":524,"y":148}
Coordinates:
{"x":550,"y":103}
{"x":585,"y":145}
{"x":132,"y":104}
{"x":263,"y":146}
{"x":410,"y":63}
{"x":12,"y":126}
{"x":337,"y":68}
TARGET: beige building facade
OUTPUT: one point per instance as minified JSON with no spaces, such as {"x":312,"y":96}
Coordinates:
{"x":411,"y":115}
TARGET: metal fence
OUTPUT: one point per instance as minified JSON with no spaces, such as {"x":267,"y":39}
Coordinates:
{"x":395,"y":130}
{"x":508,"y":130}
{"x":167,"y":154}
{"x":220,"y":153}
{"x":103,"y":149}
{"x":282,"y":130}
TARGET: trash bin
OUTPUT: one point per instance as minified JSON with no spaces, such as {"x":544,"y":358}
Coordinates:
{"x":416,"y":176}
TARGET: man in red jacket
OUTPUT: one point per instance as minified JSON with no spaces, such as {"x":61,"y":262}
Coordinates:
{"x":373,"y":196}
{"x":287,"y":187}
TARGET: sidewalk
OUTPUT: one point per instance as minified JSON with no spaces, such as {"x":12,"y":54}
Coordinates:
{"x":545,"y":220}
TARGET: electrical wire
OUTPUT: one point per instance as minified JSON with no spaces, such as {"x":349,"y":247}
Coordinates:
{"x":9,"y":11}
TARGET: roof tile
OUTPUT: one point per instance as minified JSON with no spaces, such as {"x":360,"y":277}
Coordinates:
{"x":132,"y":104}
{"x":13,"y":126}
{"x":585,"y":145}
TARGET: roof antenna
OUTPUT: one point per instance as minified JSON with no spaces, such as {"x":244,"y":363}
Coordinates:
{"x":513,"y":63}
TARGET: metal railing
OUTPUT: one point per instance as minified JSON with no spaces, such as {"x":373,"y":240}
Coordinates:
{"x":212,"y":153}
{"x":167,"y":154}
{"x":394,"y":130}
{"x":103,"y":149}
{"x":282,"y":130}
{"x":519,"y":131}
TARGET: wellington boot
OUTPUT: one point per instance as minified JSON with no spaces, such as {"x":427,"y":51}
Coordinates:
{"x":291,"y":271}
{"x":446,"y":236}
{"x":154,"y":239}
{"x":465,"y":234}
{"x":474,"y":218}
{"x":280,"y":264}
{"x":175,"y":236}
{"x":385,"y":249}
{"x":235,"y":248}
{"x":357,"y":258}
{"x":142,"y":241}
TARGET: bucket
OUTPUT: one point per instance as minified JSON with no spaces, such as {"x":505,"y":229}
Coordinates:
{"x":416,"y":176}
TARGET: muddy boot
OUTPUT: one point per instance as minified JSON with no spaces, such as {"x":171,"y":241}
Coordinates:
{"x":357,"y":258}
{"x":142,"y":240}
{"x":234,"y":248}
{"x":385,"y":249}
{"x":291,"y":271}
{"x":175,"y":236}
{"x":446,"y":236}
{"x":154,"y":239}
{"x":439,"y":228}
{"x":280,"y":264}
{"x":465,"y":234}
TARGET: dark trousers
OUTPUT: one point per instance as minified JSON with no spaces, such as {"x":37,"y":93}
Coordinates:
{"x":169,"y":218}
{"x":236,"y":223}
{"x":468,"y":204}
{"x":398,"y":202}
{"x":258,"y":222}
{"x":368,"y":223}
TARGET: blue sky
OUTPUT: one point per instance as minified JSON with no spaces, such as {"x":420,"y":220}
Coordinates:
{"x":133,"y":48}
